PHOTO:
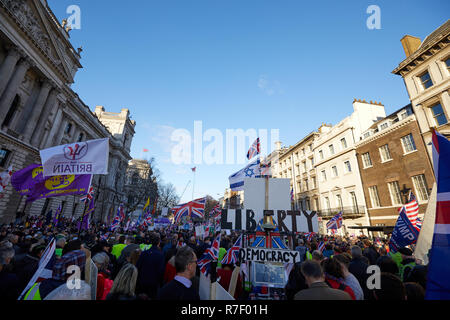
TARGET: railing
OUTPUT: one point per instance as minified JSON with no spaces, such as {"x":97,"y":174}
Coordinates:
{"x":347,"y":212}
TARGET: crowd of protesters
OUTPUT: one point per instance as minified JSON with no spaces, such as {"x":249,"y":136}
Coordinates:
{"x":162,"y":265}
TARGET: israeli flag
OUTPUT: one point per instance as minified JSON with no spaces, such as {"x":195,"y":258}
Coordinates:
{"x":252,"y":170}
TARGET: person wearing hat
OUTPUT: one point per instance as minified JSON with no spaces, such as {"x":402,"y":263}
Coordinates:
{"x":408,"y":262}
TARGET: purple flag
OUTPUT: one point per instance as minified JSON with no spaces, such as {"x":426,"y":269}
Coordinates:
{"x":31,"y":182}
{"x":85,"y":221}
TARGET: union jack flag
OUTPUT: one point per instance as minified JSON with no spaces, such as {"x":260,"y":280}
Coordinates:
{"x":292,"y":194}
{"x":232,"y":255}
{"x":105,"y":236}
{"x":412,"y":210}
{"x":210,"y":255}
{"x":216,"y":211}
{"x":321,"y":246}
{"x":194,"y":208}
{"x":120,"y":216}
{"x":309,"y":235}
{"x":335,"y":222}
{"x":89,"y":195}
{"x":254,"y":149}
{"x":264,"y":240}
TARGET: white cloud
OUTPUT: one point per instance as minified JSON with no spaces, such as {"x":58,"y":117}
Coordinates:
{"x":269,"y":87}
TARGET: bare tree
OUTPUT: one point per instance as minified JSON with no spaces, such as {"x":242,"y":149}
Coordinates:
{"x":209,"y":205}
{"x":167,"y":196}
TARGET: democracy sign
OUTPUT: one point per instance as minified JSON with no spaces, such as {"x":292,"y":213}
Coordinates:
{"x":286,"y":220}
{"x":31,"y":183}
{"x":269,"y":255}
{"x":87,"y":157}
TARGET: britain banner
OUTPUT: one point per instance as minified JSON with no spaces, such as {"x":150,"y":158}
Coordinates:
{"x":31,"y":182}
{"x":87,"y":157}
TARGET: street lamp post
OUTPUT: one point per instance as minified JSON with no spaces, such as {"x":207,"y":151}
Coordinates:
{"x":405,"y":192}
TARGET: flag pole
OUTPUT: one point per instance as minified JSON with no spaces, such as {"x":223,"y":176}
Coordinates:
{"x":193,"y":184}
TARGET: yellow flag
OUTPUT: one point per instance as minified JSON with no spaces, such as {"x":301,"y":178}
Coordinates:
{"x":147,"y":204}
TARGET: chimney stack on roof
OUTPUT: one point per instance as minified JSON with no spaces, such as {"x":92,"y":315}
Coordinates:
{"x":410,"y":44}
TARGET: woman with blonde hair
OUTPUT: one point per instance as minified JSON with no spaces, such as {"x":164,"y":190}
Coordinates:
{"x":124,"y":285}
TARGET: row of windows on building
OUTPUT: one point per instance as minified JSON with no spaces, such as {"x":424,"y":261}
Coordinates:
{"x":420,"y":186}
{"x":335,"y":171}
{"x":338,"y":202}
{"x":331,"y":149}
{"x":408,"y":145}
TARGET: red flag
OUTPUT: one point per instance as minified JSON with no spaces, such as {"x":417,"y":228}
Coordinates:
{"x":193,"y":169}
{"x":145,"y":150}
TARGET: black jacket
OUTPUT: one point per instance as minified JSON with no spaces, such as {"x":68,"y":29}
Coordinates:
{"x":25,"y":269}
{"x":358,"y":267}
{"x":176,"y":291}
{"x":150,"y":272}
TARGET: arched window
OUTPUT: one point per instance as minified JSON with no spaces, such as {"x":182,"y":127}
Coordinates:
{"x":12,"y":111}
{"x":80,"y":137}
{"x":68,"y":128}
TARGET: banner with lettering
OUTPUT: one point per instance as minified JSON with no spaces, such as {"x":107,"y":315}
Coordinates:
{"x":31,"y":182}
{"x":404,"y":233}
{"x":87,"y":157}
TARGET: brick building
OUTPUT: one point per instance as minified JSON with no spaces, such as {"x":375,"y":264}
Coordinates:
{"x":392,"y":160}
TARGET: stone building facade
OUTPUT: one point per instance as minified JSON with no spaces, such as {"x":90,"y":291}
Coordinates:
{"x":38,"y":108}
{"x":426,"y":74}
{"x":392,"y":160}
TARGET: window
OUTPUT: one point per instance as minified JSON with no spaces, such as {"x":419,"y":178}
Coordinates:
{"x":367,"y":162}
{"x":303,"y":151}
{"x":335,"y":171}
{"x":12,"y":111}
{"x":68,"y":128}
{"x":304,"y":166}
{"x":394,"y":190}
{"x":80,"y":137}
{"x":344,"y":143}
{"x":331,"y":147}
{"x":426,"y":80}
{"x":310,"y":147}
{"x":384,"y":153}
{"x":438,"y":114}
{"x":308,"y":204}
{"x":316,"y":204}
{"x":4,"y":154}
{"x":312,"y":162}
{"x":327,"y":203}
{"x":403,"y":115}
{"x":339,"y":202}
{"x":314,"y":182}
{"x":447,"y":63}
{"x":374,"y":199}
{"x":366,"y":134}
{"x":321,"y":154}
{"x":354,"y":201}
{"x":347,"y":166}
{"x":306,"y":185}
{"x":384,"y":126}
{"x":420,"y":184}
{"x":324,"y":175}
{"x":408,"y":143}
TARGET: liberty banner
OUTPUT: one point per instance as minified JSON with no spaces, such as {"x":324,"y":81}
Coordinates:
{"x":30,"y":182}
{"x":88,"y":157}
{"x":286,"y":220}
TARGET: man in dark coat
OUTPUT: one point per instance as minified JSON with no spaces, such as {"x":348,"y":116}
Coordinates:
{"x":151,"y":269}
{"x":358,"y":267}
{"x":181,"y":287}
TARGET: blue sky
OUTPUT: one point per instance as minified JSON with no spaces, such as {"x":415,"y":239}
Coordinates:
{"x":287,"y":65}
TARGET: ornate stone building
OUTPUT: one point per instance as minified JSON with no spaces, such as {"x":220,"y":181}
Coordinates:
{"x":38,"y":108}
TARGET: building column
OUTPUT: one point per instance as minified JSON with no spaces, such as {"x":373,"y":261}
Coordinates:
{"x":60,"y":133}
{"x":43,"y":115}
{"x":7,"y":68}
{"x":32,"y":121}
{"x":11,"y":90}
{"x":76,"y":132}
{"x":55,"y":127}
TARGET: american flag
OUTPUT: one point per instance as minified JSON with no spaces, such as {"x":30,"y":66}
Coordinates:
{"x":194,"y":208}
{"x":254,"y":149}
{"x":335,"y":222}
{"x":89,"y":195}
{"x":210,"y":255}
{"x":412,"y":209}
{"x":321,"y":246}
{"x":232,"y":255}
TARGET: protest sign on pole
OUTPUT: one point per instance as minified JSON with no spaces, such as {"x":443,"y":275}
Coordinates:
{"x":269,"y":255}
{"x":87,"y":157}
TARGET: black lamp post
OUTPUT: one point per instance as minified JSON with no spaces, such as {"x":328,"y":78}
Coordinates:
{"x":405,"y":192}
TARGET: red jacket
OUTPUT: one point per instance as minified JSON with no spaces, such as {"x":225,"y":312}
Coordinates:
{"x":341,"y":286}
{"x":104,"y":285}
{"x":169,"y":273}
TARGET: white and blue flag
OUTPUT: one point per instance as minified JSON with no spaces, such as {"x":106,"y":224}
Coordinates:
{"x":252,"y":170}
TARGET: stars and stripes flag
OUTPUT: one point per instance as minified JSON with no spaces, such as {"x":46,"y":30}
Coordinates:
{"x":44,"y":270}
{"x":195,"y":208}
{"x":89,"y":195}
{"x":412,"y":209}
{"x":438,"y":281}
{"x":255,"y":149}
{"x":232,"y":255}
{"x":210,"y":255}
{"x":321,"y":246}
{"x":335,"y":222}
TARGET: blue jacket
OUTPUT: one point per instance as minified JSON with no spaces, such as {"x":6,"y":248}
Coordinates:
{"x":150,"y":267}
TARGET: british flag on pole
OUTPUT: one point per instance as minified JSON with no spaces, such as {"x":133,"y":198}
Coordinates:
{"x":254,"y":149}
{"x":210,"y":255}
{"x":232,"y":255}
{"x":195,"y":208}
